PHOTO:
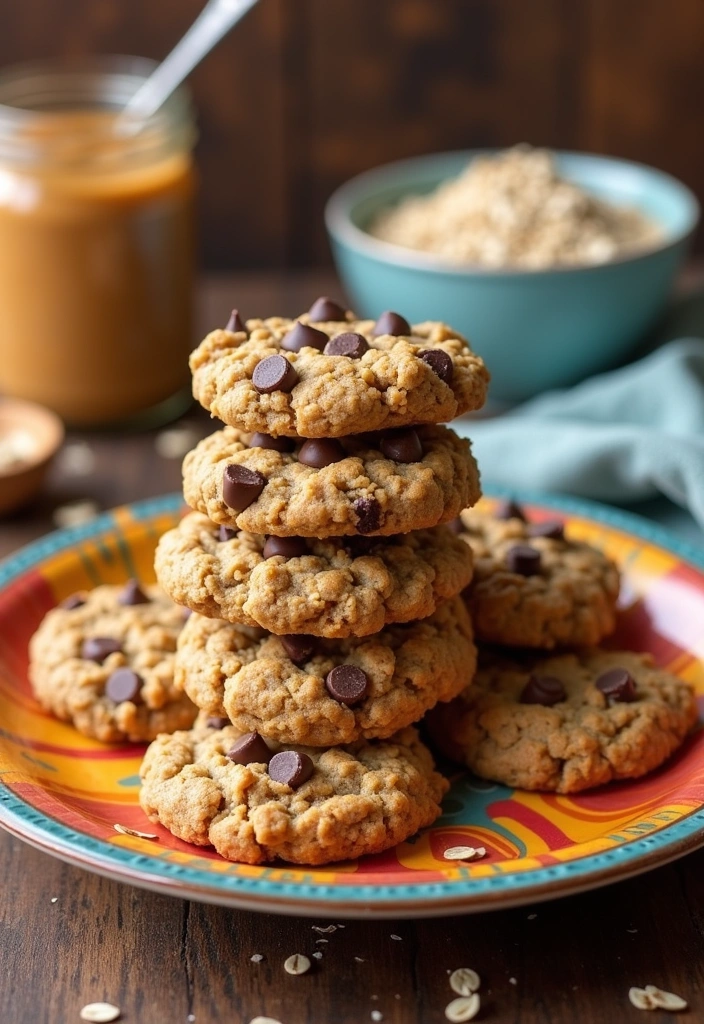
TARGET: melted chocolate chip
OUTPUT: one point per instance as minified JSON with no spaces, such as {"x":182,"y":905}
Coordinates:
{"x":216,"y":722}
{"x":289,"y":547}
{"x":303,"y":336}
{"x":235,"y":323}
{"x":97,"y":648}
{"x":249,"y":749}
{"x":509,"y":510}
{"x":545,"y":690}
{"x":290,"y":768}
{"x":72,"y":602}
{"x":391,"y":323}
{"x":402,"y":446}
{"x":346,"y":683}
{"x":132,"y":594}
{"x":274,"y":373}
{"x":352,"y":345}
{"x":368,"y":514}
{"x":324,"y":309}
{"x":523,"y":560}
{"x":551,"y":530}
{"x":439,"y":362}
{"x":225,"y":533}
{"x":617,"y":685}
{"x":299,"y":647}
{"x":319,"y":452}
{"x":274,"y":444}
{"x":122,"y":685}
{"x":241,"y":486}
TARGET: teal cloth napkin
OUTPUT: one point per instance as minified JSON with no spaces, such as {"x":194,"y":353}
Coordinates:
{"x":622,"y":436}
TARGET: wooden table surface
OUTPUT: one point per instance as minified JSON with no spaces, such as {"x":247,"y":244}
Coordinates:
{"x":69,"y":937}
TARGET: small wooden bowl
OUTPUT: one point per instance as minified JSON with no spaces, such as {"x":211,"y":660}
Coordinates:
{"x":22,"y":480}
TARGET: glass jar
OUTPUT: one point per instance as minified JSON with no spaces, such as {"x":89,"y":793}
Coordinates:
{"x":96,"y":243}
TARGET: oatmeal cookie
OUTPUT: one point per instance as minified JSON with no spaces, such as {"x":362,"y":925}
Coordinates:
{"x":568,"y":722}
{"x":322,"y":386}
{"x":303,"y":689}
{"x":335,"y":587}
{"x":335,"y":487}
{"x":348,"y":802}
{"x":104,"y":660}
{"x":534,"y":587}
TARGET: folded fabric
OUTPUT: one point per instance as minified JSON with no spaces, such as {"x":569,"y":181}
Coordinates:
{"x":622,"y":436}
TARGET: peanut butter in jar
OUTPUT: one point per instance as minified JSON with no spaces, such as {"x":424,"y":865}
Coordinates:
{"x":96,"y":244}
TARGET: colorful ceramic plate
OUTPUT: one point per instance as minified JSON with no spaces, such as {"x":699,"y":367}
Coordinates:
{"x":64,"y":793}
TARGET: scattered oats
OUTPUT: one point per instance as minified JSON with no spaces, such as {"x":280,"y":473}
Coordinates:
{"x":360,"y":960}
{"x":76,"y":459}
{"x":175,"y":442}
{"x":319,"y":942}
{"x":191,"y":1016}
{"x":75,"y":513}
{"x":100,"y":1013}
{"x":377,"y":1015}
{"x":54,"y":899}
{"x":340,"y":926}
{"x":327,"y":931}
{"x":256,"y":958}
{"x":464,"y":853}
{"x":632,"y":931}
{"x":464,"y":981}
{"x":654,"y":998}
{"x":374,"y":997}
{"x":318,"y":955}
{"x":532,"y":917}
{"x":125,"y":831}
{"x":264,"y":1020}
{"x":512,"y":981}
{"x":462,"y":1009}
{"x":397,"y":996}
{"x":297,"y":964}
{"x":397,"y":938}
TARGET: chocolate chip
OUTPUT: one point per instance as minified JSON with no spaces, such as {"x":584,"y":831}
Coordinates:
{"x":97,"y":648}
{"x":289,"y":547}
{"x":72,"y":602}
{"x":509,"y":510}
{"x":402,"y":446}
{"x":346,"y":683}
{"x":225,"y":533}
{"x":274,"y":373}
{"x":352,"y":345}
{"x":235,"y":322}
{"x":368,"y":514}
{"x":617,"y":685}
{"x":291,"y":768}
{"x":319,"y":452}
{"x":551,"y":530}
{"x":216,"y":722}
{"x":545,"y":690}
{"x":249,"y":749}
{"x":391,"y":323}
{"x":359,"y":546}
{"x":523,"y":560}
{"x":439,"y":362}
{"x":456,"y":525}
{"x":274,"y":444}
{"x":241,"y":486}
{"x":132,"y":594}
{"x":299,"y":647}
{"x":123,"y":684}
{"x":325,"y":309}
{"x":303,"y":336}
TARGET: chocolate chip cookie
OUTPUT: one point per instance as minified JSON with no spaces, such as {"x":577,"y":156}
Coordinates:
{"x":535,"y":587}
{"x":303,"y":689}
{"x":255,"y":802}
{"x":104,"y":660}
{"x":568,"y":722}
{"x":373,"y":485}
{"x":329,"y":378}
{"x":337,"y":587}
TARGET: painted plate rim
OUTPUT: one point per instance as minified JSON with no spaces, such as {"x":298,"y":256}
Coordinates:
{"x":423,"y":899}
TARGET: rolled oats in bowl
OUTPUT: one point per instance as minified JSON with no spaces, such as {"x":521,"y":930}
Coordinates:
{"x":513,"y":210}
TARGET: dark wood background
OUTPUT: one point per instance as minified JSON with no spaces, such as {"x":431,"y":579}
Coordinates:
{"x":306,"y":93}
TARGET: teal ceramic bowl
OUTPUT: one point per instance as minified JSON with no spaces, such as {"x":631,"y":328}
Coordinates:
{"x":536,"y":329}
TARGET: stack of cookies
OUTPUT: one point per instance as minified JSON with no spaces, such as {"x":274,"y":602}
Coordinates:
{"x":325,"y":589}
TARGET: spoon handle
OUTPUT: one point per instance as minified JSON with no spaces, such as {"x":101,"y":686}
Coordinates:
{"x":214,"y":21}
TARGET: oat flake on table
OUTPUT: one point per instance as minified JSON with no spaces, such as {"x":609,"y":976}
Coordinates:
{"x":100,"y":1013}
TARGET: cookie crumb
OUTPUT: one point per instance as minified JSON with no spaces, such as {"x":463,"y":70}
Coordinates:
{"x":653,"y":998}
{"x":75,"y":513}
{"x":175,"y":442}
{"x":464,"y":981}
{"x":297,"y":964}
{"x":125,"y":831}
{"x":464,"y":853}
{"x":256,"y":958}
{"x":462,"y":1009}
{"x":100,"y":1013}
